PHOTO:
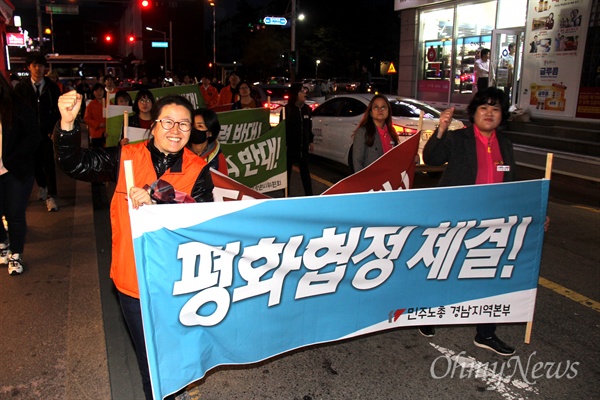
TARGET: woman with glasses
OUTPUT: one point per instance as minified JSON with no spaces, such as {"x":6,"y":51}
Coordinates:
{"x":142,"y":107}
{"x":163,"y":162}
{"x":246,"y":99}
{"x":374,"y":135}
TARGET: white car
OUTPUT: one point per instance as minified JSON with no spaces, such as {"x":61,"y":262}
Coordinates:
{"x":335,"y":121}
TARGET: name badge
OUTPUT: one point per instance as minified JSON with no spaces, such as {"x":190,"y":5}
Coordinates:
{"x":503,"y":168}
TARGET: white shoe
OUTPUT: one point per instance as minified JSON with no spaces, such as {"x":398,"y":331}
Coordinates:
{"x":42,"y":193}
{"x":51,"y":204}
{"x":15,"y":265}
{"x":4,"y":253}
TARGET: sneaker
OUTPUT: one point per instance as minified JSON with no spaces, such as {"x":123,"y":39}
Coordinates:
{"x":427,"y":331}
{"x":4,"y":253}
{"x":51,"y":204}
{"x":42,"y":193}
{"x":15,"y":265}
{"x":494,"y":344}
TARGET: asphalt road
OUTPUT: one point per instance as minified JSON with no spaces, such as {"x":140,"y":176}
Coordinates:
{"x":63,"y":336}
{"x":562,"y":360}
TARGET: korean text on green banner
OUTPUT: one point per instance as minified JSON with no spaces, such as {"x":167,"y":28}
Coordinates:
{"x":260,"y":163}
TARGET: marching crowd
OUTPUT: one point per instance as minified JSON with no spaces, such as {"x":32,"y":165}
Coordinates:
{"x":41,"y":123}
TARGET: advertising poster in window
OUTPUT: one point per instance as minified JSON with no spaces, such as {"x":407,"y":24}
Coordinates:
{"x":553,"y":55}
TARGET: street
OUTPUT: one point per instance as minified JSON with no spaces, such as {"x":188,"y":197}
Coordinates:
{"x":64,"y":337}
{"x":402,"y":364}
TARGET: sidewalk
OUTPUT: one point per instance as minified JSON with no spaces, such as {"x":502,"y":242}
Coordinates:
{"x":53,"y":340}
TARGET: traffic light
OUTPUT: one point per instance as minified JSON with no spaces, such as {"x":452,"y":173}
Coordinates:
{"x":108,"y":38}
{"x":131,"y":39}
{"x":145,"y":4}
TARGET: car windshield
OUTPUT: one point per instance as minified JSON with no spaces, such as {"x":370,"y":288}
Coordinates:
{"x":405,"y":108}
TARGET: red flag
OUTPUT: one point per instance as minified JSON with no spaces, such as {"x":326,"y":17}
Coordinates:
{"x":227,"y":189}
{"x":395,"y":170}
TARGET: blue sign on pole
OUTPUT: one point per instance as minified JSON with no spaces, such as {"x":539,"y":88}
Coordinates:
{"x":275,"y":21}
{"x":160,"y":44}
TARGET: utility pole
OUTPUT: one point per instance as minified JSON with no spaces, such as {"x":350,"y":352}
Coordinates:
{"x":293,"y":46}
{"x":38,"y":8}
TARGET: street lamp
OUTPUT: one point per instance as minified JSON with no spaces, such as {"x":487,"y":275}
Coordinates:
{"x":165,"y":39}
{"x":317,"y":68}
{"x":214,"y":9}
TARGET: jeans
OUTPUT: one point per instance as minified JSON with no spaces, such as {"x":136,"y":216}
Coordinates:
{"x":14,"y":197}
{"x":132,"y":311}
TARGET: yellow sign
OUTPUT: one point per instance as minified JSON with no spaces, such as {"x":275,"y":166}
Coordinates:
{"x":391,"y":69}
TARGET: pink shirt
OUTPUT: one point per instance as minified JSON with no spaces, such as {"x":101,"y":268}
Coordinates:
{"x":489,"y":158}
{"x":386,"y":140}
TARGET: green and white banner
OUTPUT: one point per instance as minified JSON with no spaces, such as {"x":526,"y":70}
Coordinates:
{"x":241,"y":126}
{"x":259,"y":163}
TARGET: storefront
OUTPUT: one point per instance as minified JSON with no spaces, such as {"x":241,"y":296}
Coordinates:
{"x":6,"y":12}
{"x":440,"y":42}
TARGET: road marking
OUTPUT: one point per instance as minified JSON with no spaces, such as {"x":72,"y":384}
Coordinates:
{"x":460,"y":366}
{"x":568,"y":293}
{"x":586,"y":208}
{"x":315,"y":177}
{"x":321,"y":180}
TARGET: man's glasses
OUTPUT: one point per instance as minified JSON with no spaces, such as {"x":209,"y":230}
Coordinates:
{"x":168,"y":124}
{"x":145,"y":101}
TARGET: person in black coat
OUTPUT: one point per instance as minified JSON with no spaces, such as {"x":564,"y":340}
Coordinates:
{"x":42,"y":94}
{"x":19,"y":139}
{"x":298,"y":134}
{"x":478,"y":154}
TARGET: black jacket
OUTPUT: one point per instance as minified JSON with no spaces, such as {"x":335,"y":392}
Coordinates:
{"x":20,"y":140}
{"x":458,"y":149}
{"x":102,"y":164}
{"x":298,"y":130}
{"x":46,"y":108}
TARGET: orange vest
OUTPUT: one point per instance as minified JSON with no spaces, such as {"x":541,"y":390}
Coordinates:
{"x":122,"y":269}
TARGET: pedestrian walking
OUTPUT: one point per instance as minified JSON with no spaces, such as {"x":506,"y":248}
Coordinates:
{"x":19,"y":140}
{"x":42,"y":94}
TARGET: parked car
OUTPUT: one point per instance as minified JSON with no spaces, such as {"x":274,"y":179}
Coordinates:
{"x":341,"y":85}
{"x":309,"y":83}
{"x":335,"y":121}
{"x":379,"y":85}
{"x":278,"y":96}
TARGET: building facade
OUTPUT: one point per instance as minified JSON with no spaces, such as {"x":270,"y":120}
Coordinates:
{"x":544,"y":54}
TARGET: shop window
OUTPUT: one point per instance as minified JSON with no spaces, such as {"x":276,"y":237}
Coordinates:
{"x":437,"y":30}
{"x":475,"y":23}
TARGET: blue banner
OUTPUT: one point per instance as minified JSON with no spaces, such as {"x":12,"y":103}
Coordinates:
{"x":239,"y":282}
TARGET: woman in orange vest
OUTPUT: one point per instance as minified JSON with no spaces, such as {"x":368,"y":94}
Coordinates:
{"x":163,"y":160}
